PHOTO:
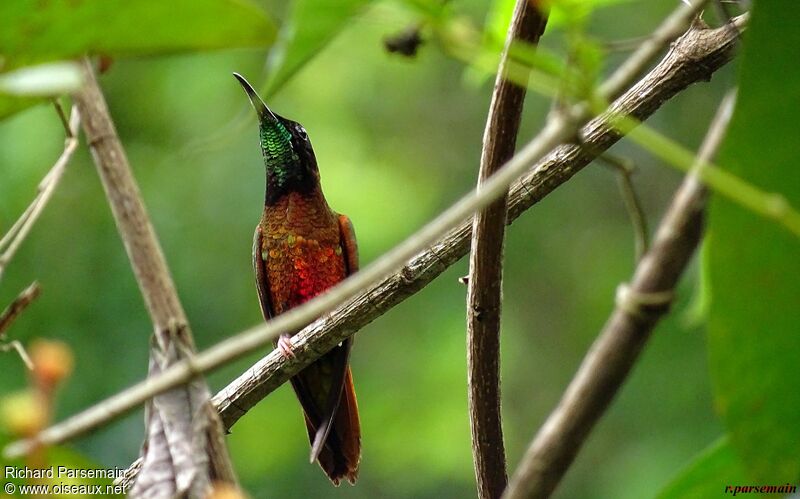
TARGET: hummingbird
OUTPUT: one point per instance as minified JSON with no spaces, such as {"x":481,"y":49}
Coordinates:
{"x":301,"y":247}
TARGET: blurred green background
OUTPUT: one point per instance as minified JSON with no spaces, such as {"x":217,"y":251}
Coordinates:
{"x":397,"y":141}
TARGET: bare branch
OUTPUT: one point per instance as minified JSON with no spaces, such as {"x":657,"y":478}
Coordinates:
{"x":178,"y":426}
{"x":633,"y":205}
{"x":12,"y":240}
{"x":672,"y":27}
{"x":17,"y":347}
{"x":486,"y":265}
{"x":695,"y":57}
{"x":639,"y":307}
{"x":19,"y":304}
{"x":63,"y":117}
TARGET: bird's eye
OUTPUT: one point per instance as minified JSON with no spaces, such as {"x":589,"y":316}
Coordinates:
{"x":302,"y":133}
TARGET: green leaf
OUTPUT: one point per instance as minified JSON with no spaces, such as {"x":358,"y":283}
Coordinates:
{"x":753,"y":265}
{"x":311,"y":25}
{"x":43,"y":80}
{"x":11,"y":105}
{"x":708,"y":474}
{"x":36,"y":31}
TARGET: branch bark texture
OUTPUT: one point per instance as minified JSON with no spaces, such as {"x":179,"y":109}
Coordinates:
{"x":484,"y":296}
{"x":20,"y":303}
{"x":639,"y":307}
{"x":175,"y":458}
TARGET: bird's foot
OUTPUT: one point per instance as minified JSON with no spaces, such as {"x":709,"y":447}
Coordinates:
{"x":285,"y":346}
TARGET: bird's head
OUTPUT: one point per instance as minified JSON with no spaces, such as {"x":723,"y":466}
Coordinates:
{"x":288,"y":156}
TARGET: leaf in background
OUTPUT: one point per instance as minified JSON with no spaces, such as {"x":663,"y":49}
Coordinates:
{"x":35,"y":32}
{"x":44,"y":80}
{"x":11,"y":105}
{"x":753,"y":265}
{"x":60,"y":29}
{"x":311,"y":25}
{"x":708,"y":474}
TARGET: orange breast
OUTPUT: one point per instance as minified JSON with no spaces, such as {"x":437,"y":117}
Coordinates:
{"x":303,"y":251}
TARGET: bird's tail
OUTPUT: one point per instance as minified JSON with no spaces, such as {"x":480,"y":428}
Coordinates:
{"x":336,"y":443}
{"x":325,"y":391}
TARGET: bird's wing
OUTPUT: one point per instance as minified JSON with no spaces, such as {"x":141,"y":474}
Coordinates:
{"x":262,"y":281}
{"x":349,"y":245}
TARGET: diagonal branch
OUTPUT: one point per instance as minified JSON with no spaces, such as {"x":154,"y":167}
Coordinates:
{"x":672,"y":27}
{"x":10,"y":314}
{"x":366,"y":295}
{"x":486,"y":264}
{"x":20,"y":303}
{"x":176,"y":456}
{"x":639,"y":307}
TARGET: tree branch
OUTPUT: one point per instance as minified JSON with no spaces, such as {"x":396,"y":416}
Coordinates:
{"x":177,"y":424}
{"x":639,"y":307}
{"x":672,"y":27}
{"x":377,"y":288}
{"x":20,"y":303}
{"x":486,"y":265}
{"x":10,"y":314}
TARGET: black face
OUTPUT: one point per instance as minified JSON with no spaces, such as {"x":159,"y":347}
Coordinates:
{"x":301,"y":145}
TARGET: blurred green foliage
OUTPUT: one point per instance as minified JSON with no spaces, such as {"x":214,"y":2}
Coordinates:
{"x":754,"y":265}
{"x":708,"y":475}
{"x":309,"y":26}
{"x":397,"y":140}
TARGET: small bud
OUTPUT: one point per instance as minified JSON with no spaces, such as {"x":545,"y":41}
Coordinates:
{"x":52,"y":362}
{"x":24,"y":413}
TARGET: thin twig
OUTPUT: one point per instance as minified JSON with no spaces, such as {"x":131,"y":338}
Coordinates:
{"x":12,"y":240}
{"x":63,"y":117}
{"x":20,"y":303}
{"x":639,"y":307}
{"x":9,"y":315}
{"x":486,"y":265}
{"x":669,"y":30}
{"x":625,"y":45}
{"x":17,"y":347}
{"x":633,"y":204}
{"x":700,"y":52}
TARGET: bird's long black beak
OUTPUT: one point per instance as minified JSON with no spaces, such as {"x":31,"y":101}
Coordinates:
{"x":265,"y":115}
